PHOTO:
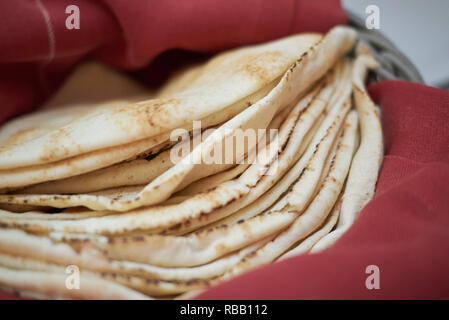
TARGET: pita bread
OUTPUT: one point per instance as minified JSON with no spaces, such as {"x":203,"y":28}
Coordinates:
{"x":20,"y":177}
{"x":312,"y":66}
{"x":318,"y":134}
{"x":213,"y":181}
{"x":129,"y":173}
{"x":50,"y":285}
{"x":186,"y":226}
{"x":42,"y":249}
{"x":198,"y":248}
{"x":36,"y":252}
{"x":182,"y":174}
{"x":238,"y":73}
{"x":88,"y":87}
{"x":316,"y":212}
{"x":151,"y":287}
{"x":307,"y":244}
{"x":136,"y":172}
{"x":191,"y":212}
{"x":368,"y":159}
{"x":196,"y":207}
{"x":314,"y":113}
{"x":39,"y":215}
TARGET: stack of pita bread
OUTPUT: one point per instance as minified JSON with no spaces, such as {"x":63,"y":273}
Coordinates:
{"x":89,"y":181}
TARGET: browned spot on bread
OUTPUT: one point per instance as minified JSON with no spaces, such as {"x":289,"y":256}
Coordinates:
{"x":18,"y":137}
{"x":55,"y":148}
{"x":255,"y":65}
{"x":221,"y":249}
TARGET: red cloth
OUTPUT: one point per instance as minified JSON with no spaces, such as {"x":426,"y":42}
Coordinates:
{"x":404,"y":230}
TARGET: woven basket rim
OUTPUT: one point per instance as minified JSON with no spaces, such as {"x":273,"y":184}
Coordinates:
{"x":394,"y":64}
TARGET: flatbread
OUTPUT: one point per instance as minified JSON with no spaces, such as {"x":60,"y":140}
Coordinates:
{"x":192,"y":211}
{"x":90,"y":86}
{"x":50,"y":285}
{"x":311,"y":67}
{"x":146,"y":228}
{"x":238,"y":74}
{"x":306,"y":245}
{"x":37,"y":248}
{"x":316,"y":212}
{"x":87,"y":162}
{"x":368,"y":159}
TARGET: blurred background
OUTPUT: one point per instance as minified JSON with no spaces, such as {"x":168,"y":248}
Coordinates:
{"x":420,"y":29}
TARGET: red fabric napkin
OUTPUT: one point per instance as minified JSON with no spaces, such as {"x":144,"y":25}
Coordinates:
{"x":404,"y":230}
